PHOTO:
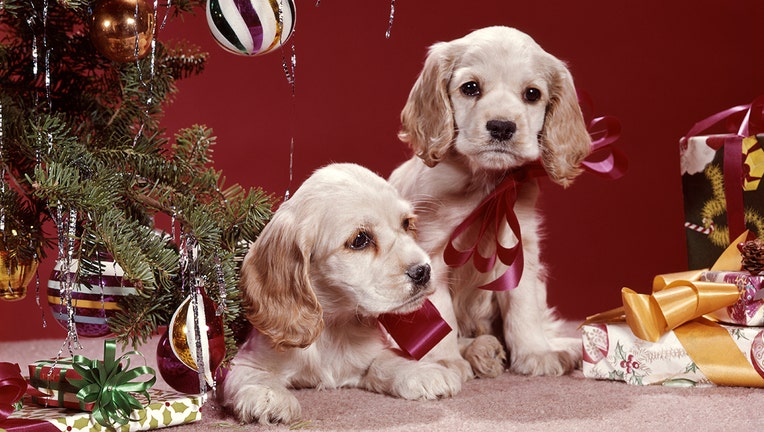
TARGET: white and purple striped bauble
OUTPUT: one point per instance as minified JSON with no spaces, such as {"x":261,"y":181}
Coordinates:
{"x":95,"y":298}
{"x":251,"y":27}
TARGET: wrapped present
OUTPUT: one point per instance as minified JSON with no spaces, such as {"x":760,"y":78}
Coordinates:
{"x":748,"y":310}
{"x":613,"y":352}
{"x":105,"y":387}
{"x":721,"y":177}
{"x":55,"y":379}
{"x":663,"y":333}
{"x":167,"y":408}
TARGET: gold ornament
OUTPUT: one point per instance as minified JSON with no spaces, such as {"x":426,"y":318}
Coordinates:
{"x":117,"y":24}
{"x":182,"y":335}
{"x":14,"y":281}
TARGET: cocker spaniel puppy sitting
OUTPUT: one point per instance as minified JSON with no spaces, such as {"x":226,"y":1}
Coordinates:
{"x":485,"y":107}
{"x":338,"y":254}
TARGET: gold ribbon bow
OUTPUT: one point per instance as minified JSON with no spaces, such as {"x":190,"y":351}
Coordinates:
{"x":678,"y":303}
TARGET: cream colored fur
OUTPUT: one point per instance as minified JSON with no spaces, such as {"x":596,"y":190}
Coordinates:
{"x":459,"y":161}
{"x":333,"y":258}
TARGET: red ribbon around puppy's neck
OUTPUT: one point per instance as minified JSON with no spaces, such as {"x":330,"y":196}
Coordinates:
{"x":418,"y":332}
{"x":498,"y":207}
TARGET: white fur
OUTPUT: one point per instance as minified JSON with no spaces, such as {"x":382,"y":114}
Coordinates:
{"x":314,"y":298}
{"x":458,"y":162}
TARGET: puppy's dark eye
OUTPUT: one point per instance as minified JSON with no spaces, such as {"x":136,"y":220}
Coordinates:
{"x":470,"y":88}
{"x":361,"y":241}
{"x":532,"y":94}
{"x":408,"y":224}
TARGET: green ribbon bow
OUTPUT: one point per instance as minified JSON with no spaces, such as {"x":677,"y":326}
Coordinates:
{"x":107,"y":384}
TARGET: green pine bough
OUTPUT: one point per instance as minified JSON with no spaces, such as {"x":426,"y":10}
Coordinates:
{"x":81,"y":139}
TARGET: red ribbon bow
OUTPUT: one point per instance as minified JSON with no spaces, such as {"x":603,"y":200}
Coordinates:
{"x":603,"y":160}
{"x":13,"y":387}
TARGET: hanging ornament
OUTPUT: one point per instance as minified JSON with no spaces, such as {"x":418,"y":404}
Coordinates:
{"x":210,"y":345}
{"x":175,"y":373}
{"x":251,"y":27}
{"x":14,"y":279}
{"x":94,"y":297}
{"x":122,"y":30}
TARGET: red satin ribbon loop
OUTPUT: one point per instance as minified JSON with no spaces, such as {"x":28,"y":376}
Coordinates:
{"x":496,"y":209}
{"x":605,"y":160}
{"x":13,"y":386}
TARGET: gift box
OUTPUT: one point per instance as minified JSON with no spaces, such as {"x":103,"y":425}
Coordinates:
{"x":667,"y":338}
{"x":613,"y":352}
{"x":748,"y":310}
{"x":711,"y":188}
{"x":167,"y":408}
{"x":721,"y":177}
{"x":54,"y":378}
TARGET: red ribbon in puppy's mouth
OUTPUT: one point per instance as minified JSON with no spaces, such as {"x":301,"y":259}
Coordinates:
{"x":416,"y":333}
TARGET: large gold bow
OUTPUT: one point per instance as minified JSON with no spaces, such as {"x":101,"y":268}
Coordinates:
{"x":678,"y":302}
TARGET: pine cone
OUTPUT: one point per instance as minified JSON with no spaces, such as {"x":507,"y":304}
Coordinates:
{"x":753,"y":256}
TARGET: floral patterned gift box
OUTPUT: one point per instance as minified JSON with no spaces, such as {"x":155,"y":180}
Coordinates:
{"x":612,"y":352}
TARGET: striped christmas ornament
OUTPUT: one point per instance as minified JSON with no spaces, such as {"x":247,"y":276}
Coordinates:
{"x":251,"y":27}
{"x":94,"y":304}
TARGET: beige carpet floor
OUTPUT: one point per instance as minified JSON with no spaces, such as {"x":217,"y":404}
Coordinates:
{"x":506,"y":403}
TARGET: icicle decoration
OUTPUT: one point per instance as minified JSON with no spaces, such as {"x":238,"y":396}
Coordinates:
{"x":37,"y":294}
{"x":2,"y":176}
{"x":35,"y":52}
{"x":392,"y":16}
{"x":47,"y":57}
{"x":289,"y":73}
{"x":2,"y":190}
{"x":188,"y":271}
{"x":200,"y":365}
{"x":67,"y":231}
{"x":222,"y":307}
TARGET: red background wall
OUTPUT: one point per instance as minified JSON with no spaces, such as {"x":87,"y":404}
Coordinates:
{"x":659,"y":66}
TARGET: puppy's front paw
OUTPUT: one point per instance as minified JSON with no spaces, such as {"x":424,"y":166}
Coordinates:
{"x":564,"y":356}
{"x":486,"y":356}
{"x":459,"y":366}
{"x":266,"y":405}
{"x":426,"y":381}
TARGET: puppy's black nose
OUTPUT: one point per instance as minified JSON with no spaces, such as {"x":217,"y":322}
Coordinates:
{"x":419,"y":274}
{"x":501,"y":130}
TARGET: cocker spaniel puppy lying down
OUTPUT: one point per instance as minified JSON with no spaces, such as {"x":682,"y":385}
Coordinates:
{"x":338,"y":254}
{"x":485,"y":108}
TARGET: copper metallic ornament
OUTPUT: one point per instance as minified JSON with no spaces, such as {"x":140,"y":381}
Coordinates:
{"x":116,"y":25}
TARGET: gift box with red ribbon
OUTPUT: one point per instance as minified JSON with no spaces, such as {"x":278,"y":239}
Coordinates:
{"x":665,"y":337}
{"x":55,"y":379}
{"x":721,"y":177}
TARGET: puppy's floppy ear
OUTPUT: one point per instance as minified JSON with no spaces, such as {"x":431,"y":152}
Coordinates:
{"x":564,"y":139}
{"x":276,"y":284}
{"x":427,"y":119}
